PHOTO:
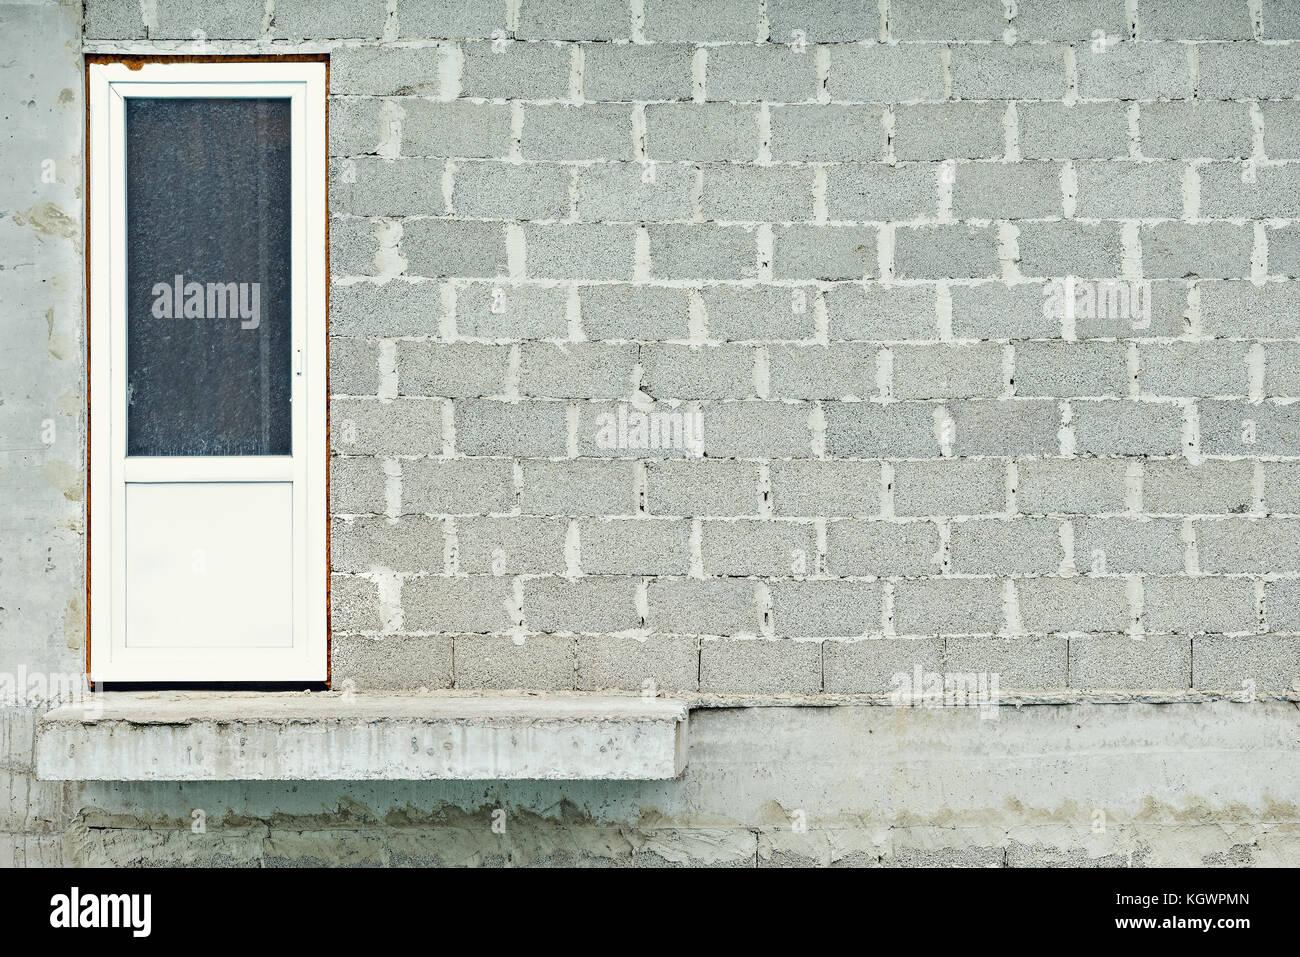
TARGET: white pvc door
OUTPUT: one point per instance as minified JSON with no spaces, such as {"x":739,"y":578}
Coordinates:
{"x":207,"y":412}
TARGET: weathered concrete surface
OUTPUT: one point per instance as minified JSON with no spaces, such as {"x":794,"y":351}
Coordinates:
{"x":1128,"y":785}
{"x":197,"y":736}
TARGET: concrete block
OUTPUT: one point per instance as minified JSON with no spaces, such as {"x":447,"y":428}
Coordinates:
{"x":1122,"y":662}
{"x":1133,"y":71}
{"x":946,"y":20}
{"x":1181,"y":488}
{"x":456,"y":486}
{"x":511,"y":191}
{"x":392,"y":308}
{"x":368,"y":186}
{"x":948,"y":371}
{"x":948,"y":606}
{"x":1281,"y":486}
{"x":1246,"y":663}
{"x":452,"y":369}
{"x":881,"y":549}
{"x":881,"y":192}
{"x":452,"y":604}
{"x":870,"y":430}
{"x":824,"y":488}
{"x":1123,"y":427}
{"x":1075,"y":131}
{"x":938,"y":131}
{"x":1249,"y":428}
{"x":1125,"y":546}
{"x":354,"y":606}
{"x":756,"y":429}
{"x":357,"y":485}
{"x":619,"y":191}
{"x":950,"y":487}
{"x":685,"y":20}
{"x":361,"y":545}
{"x":1195,"y":369}
{"x":876,"y":665}
{"x":885,"y":73}
{"x":1069,"y":19}
{"x":824,"y":252}
{"x":452,"y":19}
{"x":712,"y":606}
{"x":994,"y":310}
{"x":354,"y":367}
{"x":1120,"y":190}
{"x":1198,"y":605}
{"x":575,"y":20}
{"x":662,"y":662}
{"x":1006,"y":190}
{"x":511,"y":545}
{"x":543,"y":662}
{"x":635,"y":312}
{"x":614,"y":72}
{"x":1077,"y":603}
{"x":589,"y":604}
{"x":455,"y":129}
{"x":999,"y":72}
{"x":581,"y":251}
{"x":522,"y":71}
{"x":823,"y":20}
{"x":747,"y":313}
{"x":825,"y":608}
{"x":1196,"y":20}
{"x":369,"y":427}
{"x":694,"y":251}
{"x":835,"y":371}
{"x":760,"y":73}
{"x":697,"y":372}
{"x":1004,"y":427}
{"x":449,"y":247}
{"x":512,"y":311}
{"x":744,"y":193}
{"x":691,"y":488}
{"x":578,"y":487}
{"x":485,"y":427}
{"x":882,"y":313}
{"x":1072,"y":369}
{"x":1254,"y":545}
{"x":757,"y":547}
{"x":760,"y":666}
{"x":1185,"y":130}
{"x":330,"y":19}
{"x":702,"y":131}
{"x":1021,"y":662}
{"x":231,"y":20}
{"x":635,"y":546}
{"x":393,"y":662}
{"x":593,"y":131}
{"x":1018,"y":546}
{"x":833,"y":133}
{"x":1093,"y":250}
{"x":584,"y":370}
{"x":1244,"y":309}
{"x":946,"y":251}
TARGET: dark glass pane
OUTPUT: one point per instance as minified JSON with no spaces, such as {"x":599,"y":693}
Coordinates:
{"x":208,"y":273}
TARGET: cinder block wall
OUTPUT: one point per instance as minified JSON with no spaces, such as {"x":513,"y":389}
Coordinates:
{"x":830,"y":230}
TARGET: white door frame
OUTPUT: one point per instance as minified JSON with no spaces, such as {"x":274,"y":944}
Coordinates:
{"x":303,"y":655}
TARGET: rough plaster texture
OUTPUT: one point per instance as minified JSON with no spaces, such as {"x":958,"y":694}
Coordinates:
{"x":836,"y":254}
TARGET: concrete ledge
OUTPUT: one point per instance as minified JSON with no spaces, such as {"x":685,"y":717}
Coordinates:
{"x":223,"y":736}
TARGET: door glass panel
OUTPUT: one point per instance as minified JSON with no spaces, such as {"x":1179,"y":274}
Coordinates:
{"x":208,"y":209}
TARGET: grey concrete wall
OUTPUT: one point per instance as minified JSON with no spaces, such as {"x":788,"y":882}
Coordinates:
{"x":827,"y":228}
